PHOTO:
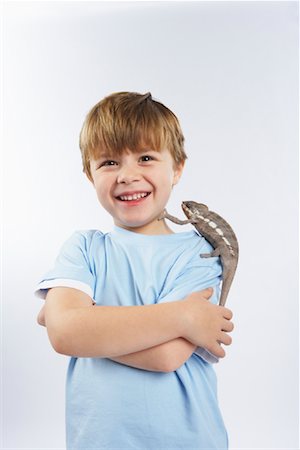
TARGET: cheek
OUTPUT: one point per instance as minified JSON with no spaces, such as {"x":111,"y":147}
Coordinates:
{"x":103,"y":184}
{"x":167,"y":181}
{"x":164,"y":176}
{"x":165,"y":184}
{"x":102,"y":191}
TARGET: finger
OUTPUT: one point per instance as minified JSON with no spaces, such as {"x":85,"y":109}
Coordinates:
{"x":207,"y":293}
{"x":217,"y":350}
{"x":227,"y":326}
{"x":227,"y":313}
{"x":225,"y":338}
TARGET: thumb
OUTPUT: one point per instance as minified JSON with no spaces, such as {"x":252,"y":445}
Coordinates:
{"x":207,"y":293}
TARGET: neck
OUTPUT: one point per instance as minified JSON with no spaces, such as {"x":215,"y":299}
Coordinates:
{"x":155,"y":228}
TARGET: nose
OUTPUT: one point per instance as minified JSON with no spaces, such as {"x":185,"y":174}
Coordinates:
{"x":128,"y":174}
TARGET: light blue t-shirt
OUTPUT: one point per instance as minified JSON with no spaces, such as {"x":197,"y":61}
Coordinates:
{"x":113,"y":406}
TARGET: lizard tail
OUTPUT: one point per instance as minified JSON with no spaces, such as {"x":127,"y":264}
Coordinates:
{"x":227,"y":276}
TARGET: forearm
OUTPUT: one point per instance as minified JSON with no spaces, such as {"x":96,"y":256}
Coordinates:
{"x":77,"y":328}
{"x":165,"y":357}
{"x":149,"y":359}
{"x":110,"y":331}
{"x":161,"y":358}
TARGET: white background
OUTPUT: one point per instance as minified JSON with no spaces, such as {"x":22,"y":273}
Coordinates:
{"x":229,"y":72}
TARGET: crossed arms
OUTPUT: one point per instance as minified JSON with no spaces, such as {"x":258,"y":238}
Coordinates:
{"x":158,"y":337}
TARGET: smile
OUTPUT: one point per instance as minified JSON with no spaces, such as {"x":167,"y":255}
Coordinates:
{"x":137,"y":196}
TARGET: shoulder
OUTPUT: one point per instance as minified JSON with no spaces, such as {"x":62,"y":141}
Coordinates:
{"x":83,"y":239}
{"x":202,"y":246}
{"x":205,"y":246}
{"x":87,"y":236}
{"x":199,"y":244}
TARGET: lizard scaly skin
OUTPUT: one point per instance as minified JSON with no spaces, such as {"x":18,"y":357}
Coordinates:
{"x":218,"y":233}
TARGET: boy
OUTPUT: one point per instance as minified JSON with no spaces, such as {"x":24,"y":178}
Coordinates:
{"x":139,"y":377}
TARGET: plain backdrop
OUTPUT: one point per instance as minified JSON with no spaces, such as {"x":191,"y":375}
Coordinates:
{"x":229,"y":71}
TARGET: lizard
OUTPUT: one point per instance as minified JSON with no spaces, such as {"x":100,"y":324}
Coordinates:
{"x":218,"y":233}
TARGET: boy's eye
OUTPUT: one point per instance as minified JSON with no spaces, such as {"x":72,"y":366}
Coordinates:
{"x":108,"y":163}
{"x":146,"y":158}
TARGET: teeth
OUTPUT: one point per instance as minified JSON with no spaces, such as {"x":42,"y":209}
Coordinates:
{"x":133,"y":197}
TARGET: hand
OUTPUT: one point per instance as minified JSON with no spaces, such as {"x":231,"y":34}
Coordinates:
{"x":207,"y":325}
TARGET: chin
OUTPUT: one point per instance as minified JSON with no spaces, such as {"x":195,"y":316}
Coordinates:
{"x":138,"y":223}
{"x":134,"y":224}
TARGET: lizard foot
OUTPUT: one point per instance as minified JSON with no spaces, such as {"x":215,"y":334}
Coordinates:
{"x":163,"y":215}
{"x":215,"y":252}
{"x":166,"y":215}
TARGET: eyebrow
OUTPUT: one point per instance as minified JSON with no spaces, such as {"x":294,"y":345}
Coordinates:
{"x":104,"y":155}
{"x":107,"y":155}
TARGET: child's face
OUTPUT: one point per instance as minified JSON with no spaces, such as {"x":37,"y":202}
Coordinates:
{"x":135,"y":187}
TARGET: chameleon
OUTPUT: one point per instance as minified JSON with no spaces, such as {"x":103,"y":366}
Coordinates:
{"x":218,"y":233}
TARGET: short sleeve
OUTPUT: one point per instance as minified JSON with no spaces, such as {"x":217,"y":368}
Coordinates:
{"x":198,"y":274}
{"x":72,"y":267}
{"x":194,"y":274}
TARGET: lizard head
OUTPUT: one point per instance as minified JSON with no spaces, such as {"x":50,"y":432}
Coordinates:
{"x":193,"y":210}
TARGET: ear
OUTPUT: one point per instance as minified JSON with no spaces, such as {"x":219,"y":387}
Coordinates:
{"x":178,"y":172}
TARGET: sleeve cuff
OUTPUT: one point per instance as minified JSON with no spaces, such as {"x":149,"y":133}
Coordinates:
{"x":42,"y":288}
{"x":206,"y":355}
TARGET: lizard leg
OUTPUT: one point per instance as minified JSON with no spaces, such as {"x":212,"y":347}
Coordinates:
{"x":166,"y":215}
{"x":215,"y":252}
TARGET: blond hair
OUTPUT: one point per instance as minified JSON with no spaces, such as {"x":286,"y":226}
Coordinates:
{"x":128,"y":120}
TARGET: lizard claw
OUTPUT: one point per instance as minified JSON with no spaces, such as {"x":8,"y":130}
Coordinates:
{"x":215,"y":252}
{"x":205,"y":255}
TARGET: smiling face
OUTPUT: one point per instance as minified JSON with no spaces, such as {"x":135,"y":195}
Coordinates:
{"x":134,"y":188}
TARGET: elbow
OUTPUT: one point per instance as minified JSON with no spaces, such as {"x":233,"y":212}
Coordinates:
{"x":58,"y":343}
{"x":172,"y":367}
{"x":59,"y":348}
{"x":41,"y":317}
{"x":61,"y":334}
{"x":66,"y":343}
{"x":39,"y":321}
{"x":176,"y":353}
{"x":59,"y":340}
{"x":62,"y":347}
{"x":171,"y":363}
